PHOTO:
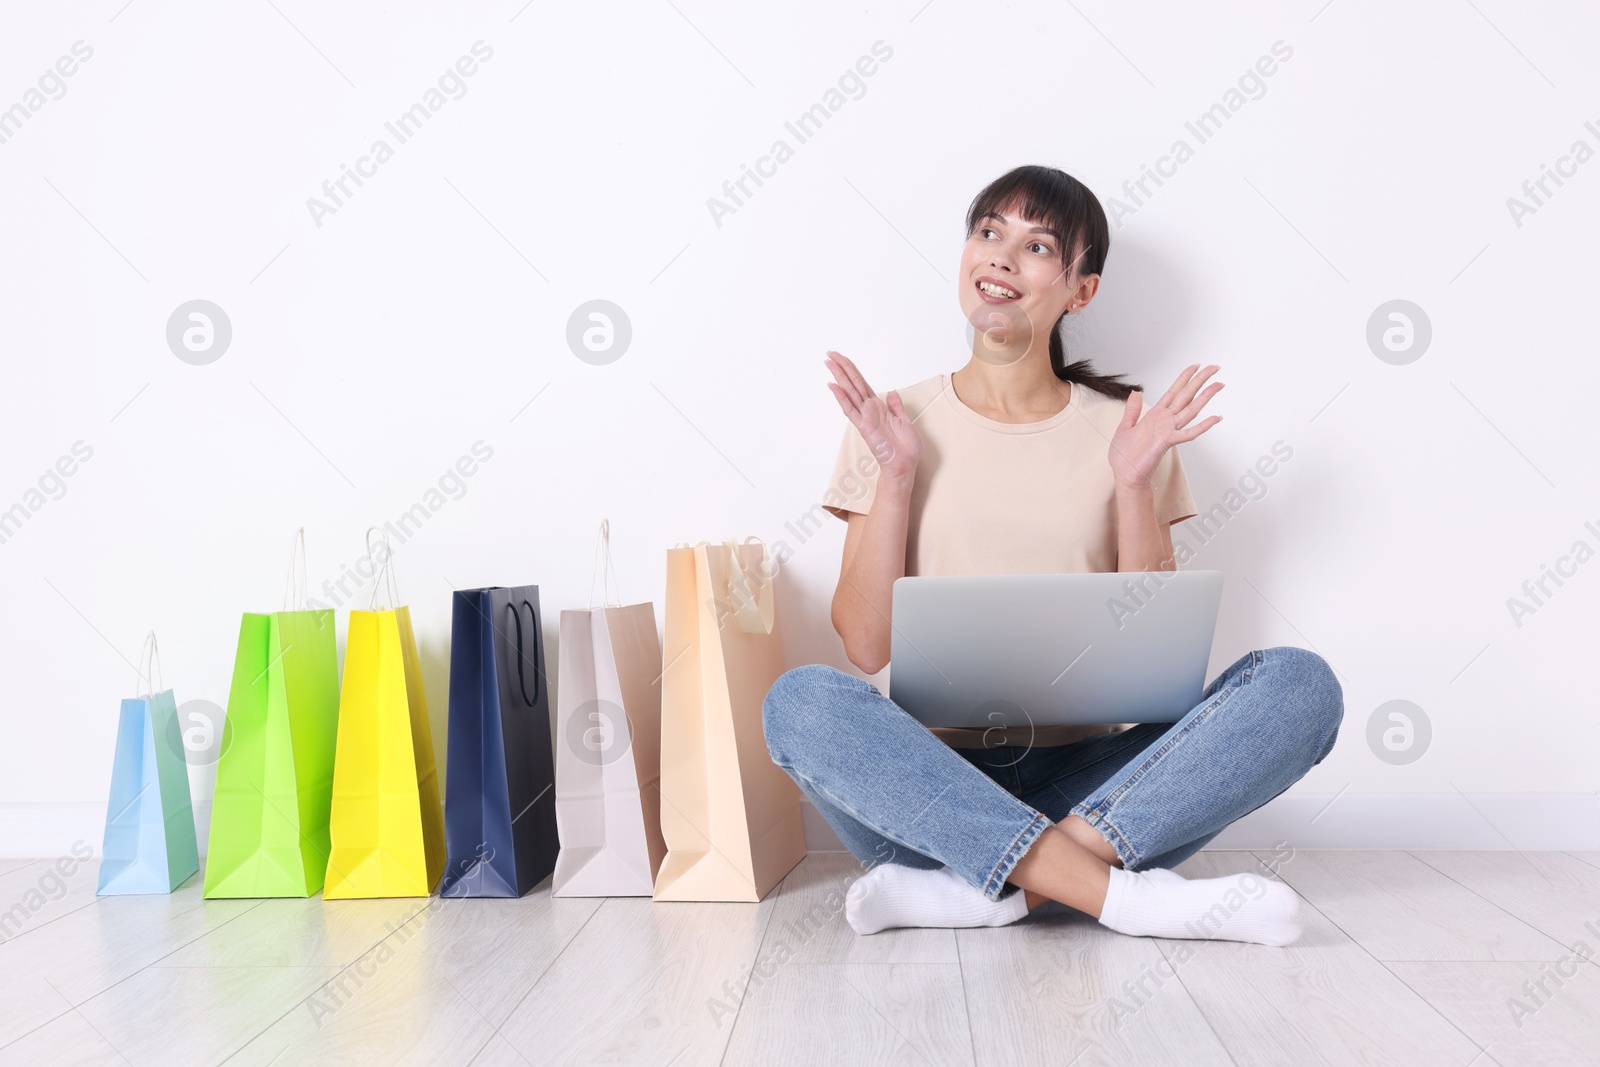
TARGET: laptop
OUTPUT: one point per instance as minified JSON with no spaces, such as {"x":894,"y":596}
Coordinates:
{"x":1048,"y":649}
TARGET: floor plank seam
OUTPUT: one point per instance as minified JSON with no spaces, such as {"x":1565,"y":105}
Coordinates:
{"x":285,"y":1014}
{"x":1483,"y":1050}
{"x":966,"y":1004}
{"x":71,"y":1007}
{"x":53,"y":1019}
{"x":1581,"y":858}
{"x":1430,"y":1005}
{"x":541,"y":976}
{"x":54,"y":918}
{"x":1198,"y":1007}
{"x":198,"y":937}
{"x":887,"y":1021}
{"x":1316,"y":995}
{"x":761,"y":943}
{"x":1491,"y":903}
{"x":109,"y":1043}
{"x":494,"y":1031}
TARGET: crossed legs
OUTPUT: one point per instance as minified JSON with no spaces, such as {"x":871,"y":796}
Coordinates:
{"x":1144,"y":798}
{"x":1070,"y":863}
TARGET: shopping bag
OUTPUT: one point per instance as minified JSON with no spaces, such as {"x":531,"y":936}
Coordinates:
{"x":499,"y":813}
{"x":386,"y":826}
{"x":269,"y":809}
{"x":730,"y":816}
{"x":608,"y":749}
{"x":150,"y":844}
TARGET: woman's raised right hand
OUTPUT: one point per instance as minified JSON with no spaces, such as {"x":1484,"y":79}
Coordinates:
{"x":883,"y":424}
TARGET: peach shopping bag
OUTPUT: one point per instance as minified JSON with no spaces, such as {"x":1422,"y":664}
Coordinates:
{"x":730,"y":816}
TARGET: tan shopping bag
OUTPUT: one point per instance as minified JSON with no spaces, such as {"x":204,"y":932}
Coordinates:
{"x":608,"y":749}
{"x":730,"y":816}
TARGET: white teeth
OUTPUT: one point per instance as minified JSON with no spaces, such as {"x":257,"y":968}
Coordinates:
{"x":996,"y":290}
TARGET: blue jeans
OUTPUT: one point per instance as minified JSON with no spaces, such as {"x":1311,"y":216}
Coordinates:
{"x":895,"y":793}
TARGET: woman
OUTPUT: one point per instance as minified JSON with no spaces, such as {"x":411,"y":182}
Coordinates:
{"x":1020,"y":463}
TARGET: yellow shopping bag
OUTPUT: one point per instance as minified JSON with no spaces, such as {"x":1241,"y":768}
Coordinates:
{"x":386,"y":825}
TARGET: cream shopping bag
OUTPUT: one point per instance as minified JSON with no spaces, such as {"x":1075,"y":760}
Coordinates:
{"x":730,"y":816}
{"x":608,"y":748}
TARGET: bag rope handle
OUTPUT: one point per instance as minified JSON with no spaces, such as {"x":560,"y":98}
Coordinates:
{"x":297,"y":552}
{"x":608,"y":572}
{"x":522,"y":657}
{"x":385,"y":573}
{"x":149,"y":667}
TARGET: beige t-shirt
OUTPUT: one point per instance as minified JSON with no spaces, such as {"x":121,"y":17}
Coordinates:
{"x":1008,"y":498}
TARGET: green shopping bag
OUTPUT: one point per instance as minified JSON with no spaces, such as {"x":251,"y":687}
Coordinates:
{"x":269,"y":814}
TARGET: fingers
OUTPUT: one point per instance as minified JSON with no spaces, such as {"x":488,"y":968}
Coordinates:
{"x":1192,"y":385}
{"x":1193,"y":407}
{"x":849,"y":406}
{"x":1181,"y":390}
{"x":1205,"y":397}
{"x":1180,"y":398}
{"x":849,"y":397}
{"x":1131,"y":406}
{"x":1177,"y":386}
{"x":862,"y":388}
{"x":1196,"y":430}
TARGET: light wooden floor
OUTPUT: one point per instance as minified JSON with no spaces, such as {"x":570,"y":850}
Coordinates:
{"x":1407,"y":958}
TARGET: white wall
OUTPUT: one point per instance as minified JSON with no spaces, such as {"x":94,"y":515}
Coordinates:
{"x":370,"y":352}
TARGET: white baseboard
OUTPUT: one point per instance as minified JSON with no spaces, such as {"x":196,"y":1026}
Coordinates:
{"x":43,"y":831}
{"x":1488,"y":821}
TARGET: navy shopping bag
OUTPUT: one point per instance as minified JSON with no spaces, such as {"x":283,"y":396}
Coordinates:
{"x":499,"y":808}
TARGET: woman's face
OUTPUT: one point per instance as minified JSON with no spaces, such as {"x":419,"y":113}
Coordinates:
{"x":1014,"y":285}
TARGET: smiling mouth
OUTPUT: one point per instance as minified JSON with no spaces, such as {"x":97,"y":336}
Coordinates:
{"x":998,"y":292}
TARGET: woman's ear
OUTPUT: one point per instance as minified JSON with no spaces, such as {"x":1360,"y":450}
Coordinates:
{"x":1083,"y":292}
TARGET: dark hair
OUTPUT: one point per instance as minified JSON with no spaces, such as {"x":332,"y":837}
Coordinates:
{"x":1066,"y":205}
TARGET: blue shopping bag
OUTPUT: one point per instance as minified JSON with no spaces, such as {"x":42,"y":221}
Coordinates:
{"x":499,"y":808}
{"x":150,"y":842}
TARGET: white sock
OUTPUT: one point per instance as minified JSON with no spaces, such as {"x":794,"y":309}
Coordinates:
{"x":1163,"y":903}
{"x":895,"y":895}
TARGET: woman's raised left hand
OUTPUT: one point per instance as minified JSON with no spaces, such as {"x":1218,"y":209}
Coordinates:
{"x":1139,"y":443}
